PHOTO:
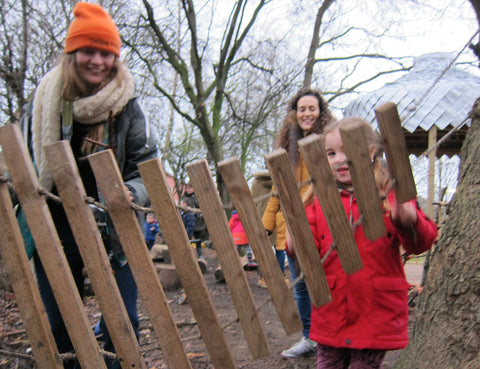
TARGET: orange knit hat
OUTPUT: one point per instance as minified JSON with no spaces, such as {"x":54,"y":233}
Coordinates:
{"x":92,"y":27}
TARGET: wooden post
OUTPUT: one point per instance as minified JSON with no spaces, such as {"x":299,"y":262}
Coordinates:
{"x":242,"y":198}
{"x":23,"y":283}
{"x":361,"y":170}
{"x":432,"y":141}
{"x":184,"y":259}
{"x":217,"y":225}
{"x":131,"y":237}
{"x":70,"y":187}
{"x":297,"y":222}
{"x":396,"y":150}
{"x":49,"y":248}
{"x":313,"y":151}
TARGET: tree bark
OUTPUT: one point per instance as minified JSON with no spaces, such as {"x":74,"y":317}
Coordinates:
{"x":447,"y":326}
{"x":476,"y":47}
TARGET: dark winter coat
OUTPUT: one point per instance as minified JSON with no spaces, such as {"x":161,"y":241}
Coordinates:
{"x":189,"y":221}
{"x":133,"y":144}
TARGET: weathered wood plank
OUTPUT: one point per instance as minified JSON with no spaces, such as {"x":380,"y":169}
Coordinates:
{"x":221,"y":236}
{"x":70,"y":187}
{"x":49,"y":247}
{"x":396,"y":151}
{"x":242,"y":198}
{"x":184,"y":258}
{"x":126,"y":224}
{"x":24,"y":286}
{"x":313,"y":151}
{"x":294,"y":211}
{"x":363,"y":180}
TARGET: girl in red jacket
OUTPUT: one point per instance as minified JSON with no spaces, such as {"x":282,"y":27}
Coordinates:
{"x":368,"y":314}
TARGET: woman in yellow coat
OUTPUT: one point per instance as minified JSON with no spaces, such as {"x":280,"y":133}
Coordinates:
{"x":307,"y":113}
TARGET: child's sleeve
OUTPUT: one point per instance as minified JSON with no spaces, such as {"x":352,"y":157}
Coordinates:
{"x":420,"y":236}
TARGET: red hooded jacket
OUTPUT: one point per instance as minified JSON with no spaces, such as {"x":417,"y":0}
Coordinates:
{"x":238,"y":233}
{"x":369,"y":308}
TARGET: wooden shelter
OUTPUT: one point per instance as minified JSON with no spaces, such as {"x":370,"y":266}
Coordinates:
{"x":433,"y":99}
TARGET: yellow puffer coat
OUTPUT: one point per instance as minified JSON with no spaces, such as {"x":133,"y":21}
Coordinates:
{"x":273,"y":218}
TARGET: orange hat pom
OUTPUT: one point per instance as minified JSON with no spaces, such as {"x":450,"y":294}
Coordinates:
{"x":92,"y":27}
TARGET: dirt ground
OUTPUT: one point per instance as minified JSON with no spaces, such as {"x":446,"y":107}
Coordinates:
{"x":15,"y":350}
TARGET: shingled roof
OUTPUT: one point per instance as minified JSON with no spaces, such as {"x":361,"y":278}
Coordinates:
{"x":424,"y":100}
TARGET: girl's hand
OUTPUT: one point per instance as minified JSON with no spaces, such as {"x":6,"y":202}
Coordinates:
{"x":129,"y":194}
{"x":403,"y":213}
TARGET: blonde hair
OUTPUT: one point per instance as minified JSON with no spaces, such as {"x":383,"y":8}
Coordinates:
{"x":75,"y":87}
{"x":380,"y":170}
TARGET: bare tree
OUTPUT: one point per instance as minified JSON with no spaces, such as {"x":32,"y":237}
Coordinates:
{"x":204,"y":91}
{"x":31,"y":41}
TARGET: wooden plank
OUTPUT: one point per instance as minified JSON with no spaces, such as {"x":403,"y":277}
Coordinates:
{"x":49,"y":248}
{"x":126,"y":224}
{"x":24,"y":286}
{"x":363,"y":180}
{"x":396,"y":151}
{"x":184,"y":258}
{"x":294,"y":211}
{"x":221,"y":236}
{"x":70,"y":188}
{"x":244,"y":204}
{"x":313,"y":151}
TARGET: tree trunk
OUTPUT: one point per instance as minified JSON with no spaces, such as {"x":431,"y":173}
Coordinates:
{"x":447,"y":326}
{"x":314,"y":43}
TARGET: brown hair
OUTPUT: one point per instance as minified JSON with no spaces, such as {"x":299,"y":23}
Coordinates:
{"x":290,"y":132}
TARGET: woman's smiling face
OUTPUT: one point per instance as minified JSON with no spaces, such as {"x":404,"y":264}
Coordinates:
{"x":94,"y":65}
{"x":308,"y":112}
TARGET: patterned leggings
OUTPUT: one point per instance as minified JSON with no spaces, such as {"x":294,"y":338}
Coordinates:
{"x":344,"y":358}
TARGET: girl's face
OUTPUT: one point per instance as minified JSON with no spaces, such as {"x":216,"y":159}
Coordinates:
{"x":308,"y":112}
{"x":94,"y":65}
{"x":337,"y":158}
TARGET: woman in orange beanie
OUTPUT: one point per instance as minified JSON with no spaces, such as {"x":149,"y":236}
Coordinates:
{"x":88,"y":100}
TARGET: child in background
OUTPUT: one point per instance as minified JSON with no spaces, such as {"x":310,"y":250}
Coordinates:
{"x":151,"y":230}
{"x":241,"y":240}
{"x":368,"y":314}
{"x":189,"y":220}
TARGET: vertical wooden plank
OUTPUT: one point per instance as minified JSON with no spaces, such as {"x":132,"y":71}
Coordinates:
{"x":49,"y":248}
{"x":361,"y":170}
{"x":23,"y":283}
{"x":432,"y":156}
{"x":396,"y":150}
{"x":217,"y":225}
{"x":313,"y":151}
{"x":294,"y":211}
{"x":186,"y":263}
{"x":126,"y":224}
{"x":70,"y":188}
{"x":242,"y":198}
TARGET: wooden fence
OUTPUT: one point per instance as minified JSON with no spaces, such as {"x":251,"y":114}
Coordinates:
{"x":73,"y":197}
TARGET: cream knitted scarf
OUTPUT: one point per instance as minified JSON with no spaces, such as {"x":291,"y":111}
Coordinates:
{"x":47,"y":109}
